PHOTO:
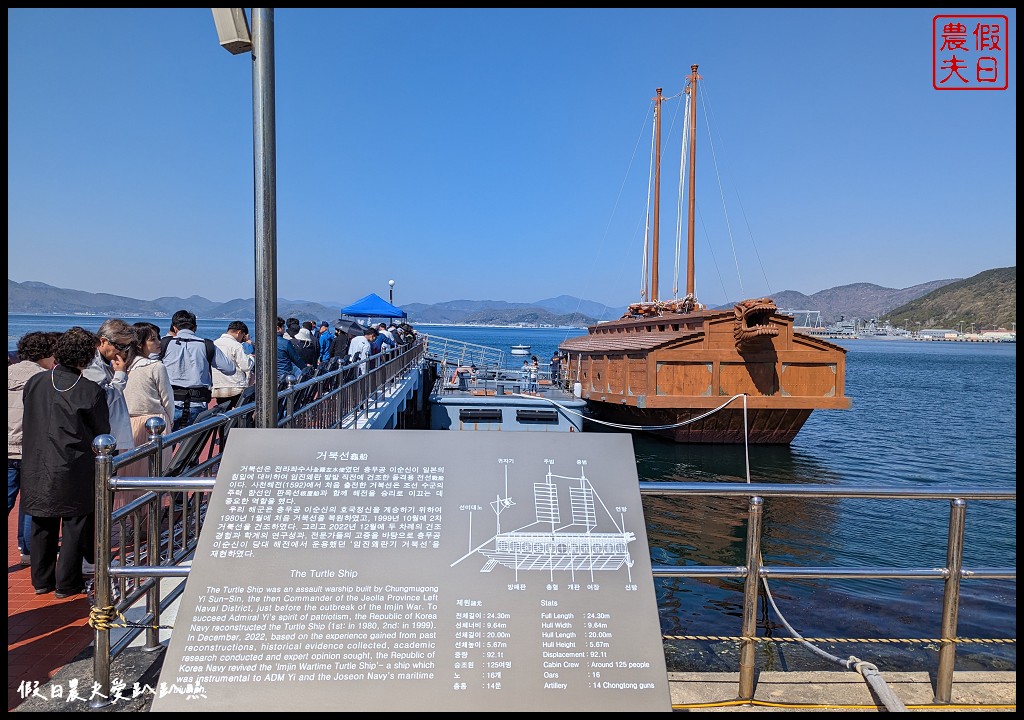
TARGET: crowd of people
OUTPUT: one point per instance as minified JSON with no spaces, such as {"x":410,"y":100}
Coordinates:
{"x":305,"y":347}
{"x":65,"y":389}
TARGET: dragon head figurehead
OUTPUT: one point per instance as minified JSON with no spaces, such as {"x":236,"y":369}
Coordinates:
{"x":752,"y":320}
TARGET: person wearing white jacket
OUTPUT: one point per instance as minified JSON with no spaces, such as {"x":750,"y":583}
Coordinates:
{"x":359,"y":349}
{"x":228,"y":388}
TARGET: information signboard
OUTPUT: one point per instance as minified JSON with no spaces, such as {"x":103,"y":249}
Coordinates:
{"x":412,"y":570}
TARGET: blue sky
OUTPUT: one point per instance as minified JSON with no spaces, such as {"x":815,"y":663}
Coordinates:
{"x":500,"y":154}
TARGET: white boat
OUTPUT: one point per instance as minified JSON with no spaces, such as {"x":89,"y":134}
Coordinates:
{"x":520,"y":349}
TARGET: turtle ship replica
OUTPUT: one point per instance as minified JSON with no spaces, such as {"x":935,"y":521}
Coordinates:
{"x":665,"y":366}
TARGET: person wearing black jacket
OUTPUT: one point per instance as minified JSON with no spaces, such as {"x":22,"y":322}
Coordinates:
{"x":64,"y":412}
{"x":306,"y":347}
{"x":340,"y":343}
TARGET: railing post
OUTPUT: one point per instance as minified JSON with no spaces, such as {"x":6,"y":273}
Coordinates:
{"x":951,"y":600}
{"x":749,"y":648}
{"x":364,"y":390}
{"x":155,"y":426}
{"x":289,"y":403}
{"x":104,"y":447}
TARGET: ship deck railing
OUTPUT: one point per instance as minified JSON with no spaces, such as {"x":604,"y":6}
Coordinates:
{"x":467,"y":367}
{"x":489,"y":381}
{"x":458,"y":353}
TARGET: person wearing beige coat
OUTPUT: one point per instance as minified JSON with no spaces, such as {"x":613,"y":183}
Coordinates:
{"x":148,"y":394}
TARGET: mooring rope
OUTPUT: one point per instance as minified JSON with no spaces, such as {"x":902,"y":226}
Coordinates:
{"x":867,"y":670}
{"x":102,"y":618}
{"x":567,"y":410}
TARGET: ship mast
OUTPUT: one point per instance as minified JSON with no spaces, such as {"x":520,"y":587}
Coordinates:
{"x":692,"y":90}
{"x":657,"y":195}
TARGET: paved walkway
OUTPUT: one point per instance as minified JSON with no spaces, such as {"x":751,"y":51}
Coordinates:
{"x":840,"y":692}
{"x":43,"y":633}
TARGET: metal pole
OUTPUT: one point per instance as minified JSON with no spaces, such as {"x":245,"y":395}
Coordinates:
{"x":289,"y":402}
{"x":655,"y":250}
{"x":692,"y":199}
{"x":755,"y":511}
{"x":951,"y":600}
{"x":155,"y":426}
{"x":104,"y":447}
{"x":265,"y":179}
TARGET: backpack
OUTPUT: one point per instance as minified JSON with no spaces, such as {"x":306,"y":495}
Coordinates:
{"x":339,"y":346}
{"x":211,"y":349}
{"x":194,"y":394}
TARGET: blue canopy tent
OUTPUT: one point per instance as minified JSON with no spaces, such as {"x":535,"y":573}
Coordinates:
{"x":373,"y":306}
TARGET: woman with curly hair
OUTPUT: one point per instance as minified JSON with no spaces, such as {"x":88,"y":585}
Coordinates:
{"x":64,"y":412}
{"x":35,"y":355}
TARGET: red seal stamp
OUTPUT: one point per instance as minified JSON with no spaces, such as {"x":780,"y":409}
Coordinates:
{"x":970,"y":52}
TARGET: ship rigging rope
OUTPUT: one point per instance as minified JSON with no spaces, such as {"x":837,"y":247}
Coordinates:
{"x":721,"y":191}
{"x":645,"y":265}
{"x":681,"y":196}
{"x":708,"y":114}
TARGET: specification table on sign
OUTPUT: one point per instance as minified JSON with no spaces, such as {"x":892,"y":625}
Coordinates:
{"x":407,"y":569}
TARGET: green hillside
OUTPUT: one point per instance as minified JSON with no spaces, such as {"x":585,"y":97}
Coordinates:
{"x":988,"y":301}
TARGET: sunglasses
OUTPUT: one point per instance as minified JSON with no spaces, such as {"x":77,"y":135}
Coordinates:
{"x":120,"y":346}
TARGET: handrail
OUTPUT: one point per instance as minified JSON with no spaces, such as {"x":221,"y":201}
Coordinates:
{"x":458,"y":352}
{"x":754,"y":570}
{"x":170,"y":514}
{"x":353,"y":400}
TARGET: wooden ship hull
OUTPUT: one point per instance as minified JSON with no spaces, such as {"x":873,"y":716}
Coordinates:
{"x":666,"y":369}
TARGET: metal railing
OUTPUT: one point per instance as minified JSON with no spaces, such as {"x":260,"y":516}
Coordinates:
{"x":456,"y":353}
{"x":453,"y":357}
{"x":753,"y":570}
{"x":170,"y":514}
{"x":148,"y":538}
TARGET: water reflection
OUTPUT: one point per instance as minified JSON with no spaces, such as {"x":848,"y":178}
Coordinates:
{"x":817,"y":532}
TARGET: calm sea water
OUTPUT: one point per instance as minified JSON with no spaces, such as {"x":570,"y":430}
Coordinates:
{"x":928,"y":414}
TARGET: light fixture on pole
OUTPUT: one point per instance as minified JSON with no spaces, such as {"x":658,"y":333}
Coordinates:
{"x":391,"y":291}
{"x":232,"y":29}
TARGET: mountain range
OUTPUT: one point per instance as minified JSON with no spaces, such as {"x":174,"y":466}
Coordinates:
{"x":987,"y":298}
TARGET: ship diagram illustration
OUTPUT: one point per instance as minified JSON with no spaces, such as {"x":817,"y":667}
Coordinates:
{"x":550,"y":543}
